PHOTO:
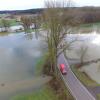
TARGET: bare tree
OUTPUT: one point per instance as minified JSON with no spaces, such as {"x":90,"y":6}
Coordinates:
{"x":36,"y":22}
{"x":5,"y":24}
{"x":58,"y":25}
{"x":26,"y":22}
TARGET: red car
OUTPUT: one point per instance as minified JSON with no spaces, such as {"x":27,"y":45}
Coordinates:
{"x":63,"y":69}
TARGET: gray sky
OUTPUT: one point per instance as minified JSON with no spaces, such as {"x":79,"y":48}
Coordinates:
{"x":87,"y":2}
{"x":27,"y":4}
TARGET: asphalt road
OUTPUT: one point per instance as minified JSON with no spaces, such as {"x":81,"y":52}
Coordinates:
{"x":78,"y":91}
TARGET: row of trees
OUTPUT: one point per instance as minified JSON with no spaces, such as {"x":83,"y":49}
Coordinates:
{"x":83,"y":15}
{"x":86,"y":14}
{"x":26,"y":21}
{"x":5,"y":24}
{"x":80,"y":15}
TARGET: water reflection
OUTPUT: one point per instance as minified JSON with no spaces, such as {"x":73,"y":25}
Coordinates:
{"x":18,"y":56}
{"x":29,"y":36}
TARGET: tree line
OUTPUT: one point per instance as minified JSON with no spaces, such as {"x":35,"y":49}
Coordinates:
{"x":85,"y":14}
{"x":80,"y":14}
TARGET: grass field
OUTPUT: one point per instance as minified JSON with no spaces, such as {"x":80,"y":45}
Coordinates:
{"x":90,"y":27}
{"x":98,"y":97}
{"x":84,"y":78}
{"x":45,"y":93}
{"x":12,"y":22}
{"x":40,"y":64}
{"x":90,"y":24}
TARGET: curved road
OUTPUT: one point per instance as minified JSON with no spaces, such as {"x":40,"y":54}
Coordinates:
{"x":78,"y":91}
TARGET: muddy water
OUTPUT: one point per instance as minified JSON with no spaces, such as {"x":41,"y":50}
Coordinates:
{"x":19,"y":54}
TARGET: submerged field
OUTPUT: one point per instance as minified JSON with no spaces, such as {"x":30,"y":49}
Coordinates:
{"x":19,"y":54}
{"x":92,"y":54}
{"x":45,"y":93}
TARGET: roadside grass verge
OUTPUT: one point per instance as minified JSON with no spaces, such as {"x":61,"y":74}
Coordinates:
{"x":84,"y":78}
{"x":63,"y":92}
{"x":98,"y":96}
{"x":68,"y":94}
{"x":44,"y":93}
{"x":57,"y":85}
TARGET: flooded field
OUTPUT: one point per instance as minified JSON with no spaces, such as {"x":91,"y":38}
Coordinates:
{"x":19,"y":54}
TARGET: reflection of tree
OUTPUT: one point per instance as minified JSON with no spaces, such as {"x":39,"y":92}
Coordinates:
{"x":26,"y":23}
{"x":82,"y":53}
{"x":29,"y":36}
{"x":36,"y":25}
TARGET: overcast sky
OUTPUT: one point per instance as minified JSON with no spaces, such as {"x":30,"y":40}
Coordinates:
{"x":27,"y":4}
{"x":87,"y":2}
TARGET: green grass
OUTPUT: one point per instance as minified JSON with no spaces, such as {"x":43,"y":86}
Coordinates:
{"x":66,"y":92}
{"x":98,"y":96}
{"x":85,"y":28}
{"x":42,"y":94}
{"x":12,"y":22}
{"x":45,"y":93}
{"x":40,"y":65}
{"x":84,"y":78}
{"x":90,"y":25}
{"x":88,"y":28}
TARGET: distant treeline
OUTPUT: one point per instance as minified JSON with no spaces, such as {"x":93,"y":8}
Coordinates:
{"x":29,"y":11}
{"x":82,"y":14}
{"x":87,"y":14}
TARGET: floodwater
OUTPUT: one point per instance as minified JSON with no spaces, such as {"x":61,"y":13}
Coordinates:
{"x":19,"y":54}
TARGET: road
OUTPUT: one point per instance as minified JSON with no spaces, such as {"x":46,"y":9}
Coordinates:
{"x":78,"y":91}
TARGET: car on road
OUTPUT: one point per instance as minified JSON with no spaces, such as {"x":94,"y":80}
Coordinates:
{"x":63,"y":69}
